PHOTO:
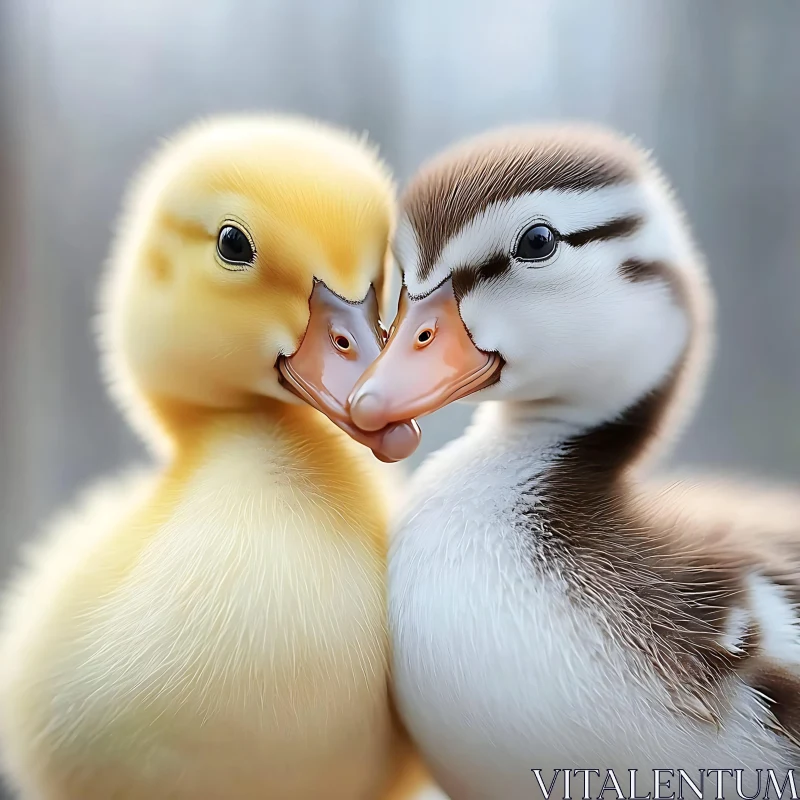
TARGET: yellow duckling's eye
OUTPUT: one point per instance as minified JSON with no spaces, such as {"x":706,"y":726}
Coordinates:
{"x":234,"y":246}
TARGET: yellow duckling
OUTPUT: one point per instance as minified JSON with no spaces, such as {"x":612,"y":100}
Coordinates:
{"x":217,"y":630}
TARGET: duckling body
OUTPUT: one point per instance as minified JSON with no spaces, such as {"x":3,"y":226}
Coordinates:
{"x":513,"y":653}
{"x":217,"y":629}
{"x":234,"y":621}
{"x":552,"y":607}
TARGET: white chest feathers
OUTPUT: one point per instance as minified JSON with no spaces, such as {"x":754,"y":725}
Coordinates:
{"x":497,"y":672}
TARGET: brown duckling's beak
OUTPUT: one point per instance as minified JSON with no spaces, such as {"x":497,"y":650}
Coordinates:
{"x":428,"y":362}
{"x":341,"y":341}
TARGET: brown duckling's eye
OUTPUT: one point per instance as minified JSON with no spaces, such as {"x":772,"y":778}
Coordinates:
{"x":536,"y":244}
{"x":234,"y":247}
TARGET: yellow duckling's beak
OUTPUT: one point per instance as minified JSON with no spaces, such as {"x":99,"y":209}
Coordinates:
{"x":341,"y":342}
{"x":244,"y":272}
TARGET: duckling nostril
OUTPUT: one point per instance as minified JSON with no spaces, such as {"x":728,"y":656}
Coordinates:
{"x":424,"y":336}
{"x":341,"y":342}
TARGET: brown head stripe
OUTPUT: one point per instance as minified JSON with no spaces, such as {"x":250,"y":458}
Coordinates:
{"x":637,"y":270}
{"x":614,"y":229}
{"x":460,"y":183}
{"x":467,"y":277}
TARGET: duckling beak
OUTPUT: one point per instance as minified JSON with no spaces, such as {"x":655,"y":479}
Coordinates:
{"x":342,"y":339}
{"x":428,"y":362}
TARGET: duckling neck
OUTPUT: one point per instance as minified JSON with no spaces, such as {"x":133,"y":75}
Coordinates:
{"x":265,"y":429}
{"x":188,"y":426}
{"x":271,"y":447}
{"x":605,"y":447}
{"x":573,"y":478}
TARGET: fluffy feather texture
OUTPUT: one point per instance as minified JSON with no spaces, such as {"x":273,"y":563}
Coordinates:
{"x":548,"y":608}
{"x":581,"y":372}
{"x":216,"y":628}
{"x":316,"y":202}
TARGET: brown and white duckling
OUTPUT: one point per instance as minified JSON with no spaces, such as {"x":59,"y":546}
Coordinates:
{"x":549,"y":610}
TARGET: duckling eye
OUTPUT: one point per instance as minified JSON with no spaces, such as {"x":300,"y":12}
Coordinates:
{"x":234,"y":247}
{"x":536,"y":243}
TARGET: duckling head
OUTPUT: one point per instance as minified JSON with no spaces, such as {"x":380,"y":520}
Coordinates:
{"x":550,"y":268}
{"x":247,"y":268}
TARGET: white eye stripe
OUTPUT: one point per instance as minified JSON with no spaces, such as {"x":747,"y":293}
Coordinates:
{"x":497,"y":228}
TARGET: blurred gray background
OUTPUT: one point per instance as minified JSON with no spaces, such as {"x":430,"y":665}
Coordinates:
{"x":87,"y":87}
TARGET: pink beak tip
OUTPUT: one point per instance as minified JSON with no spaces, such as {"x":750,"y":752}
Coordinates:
{"x":400,"y":441}
{"x":367,"y":411}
